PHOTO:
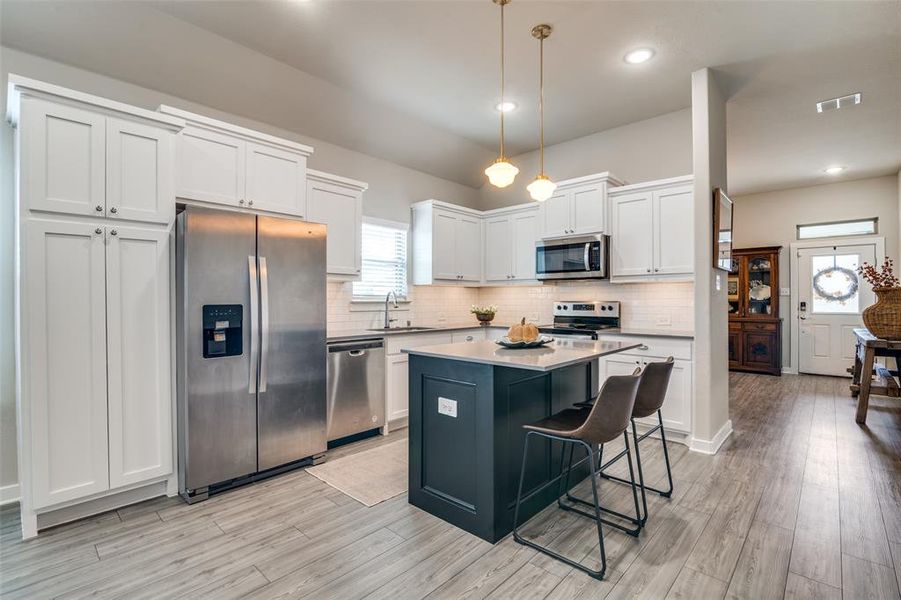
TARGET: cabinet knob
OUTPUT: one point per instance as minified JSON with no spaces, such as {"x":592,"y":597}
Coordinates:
{"x":655,"y":270}
{"x":99,"y":208}
{"x":114,"y":210}
{"x":648,"y":270}
{"x":241,"y":201}
{"x":250,"y":203}
{"x":98,"y":231}
{"x":113,"y":232}
{"x":468,"y":338}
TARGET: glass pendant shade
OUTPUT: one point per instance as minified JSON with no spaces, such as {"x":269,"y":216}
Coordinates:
{"x":541,"y":188}
{"x":501,"y":173}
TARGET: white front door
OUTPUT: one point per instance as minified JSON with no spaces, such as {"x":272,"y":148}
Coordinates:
{"x":831,"y":298}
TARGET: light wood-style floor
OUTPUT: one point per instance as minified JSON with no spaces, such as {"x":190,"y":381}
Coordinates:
{"x":800,"y":503}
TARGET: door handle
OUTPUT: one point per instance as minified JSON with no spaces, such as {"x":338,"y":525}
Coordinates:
{"x":264,"y":322}
{"x":356,"y":353}
{"x":254,"y":322}
{"x":585,"y":257}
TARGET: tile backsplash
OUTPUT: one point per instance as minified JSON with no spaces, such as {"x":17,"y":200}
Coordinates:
{"x":644,"y":305}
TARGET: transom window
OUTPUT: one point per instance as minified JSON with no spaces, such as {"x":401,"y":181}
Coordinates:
{"x":384,"y":260}
{"x":837,"y":229}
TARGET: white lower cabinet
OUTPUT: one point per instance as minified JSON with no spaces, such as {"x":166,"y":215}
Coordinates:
{"x":396,"y":394}
{"x":139,"y":375}
{"x":64,"y":379}
{"x":677,"y":404}
{"x":95,"y":331}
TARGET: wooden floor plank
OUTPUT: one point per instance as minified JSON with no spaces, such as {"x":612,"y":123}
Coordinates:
{"x":800,"y":501}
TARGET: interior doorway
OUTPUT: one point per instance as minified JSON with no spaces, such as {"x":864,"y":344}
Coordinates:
{"x":828,"y":299}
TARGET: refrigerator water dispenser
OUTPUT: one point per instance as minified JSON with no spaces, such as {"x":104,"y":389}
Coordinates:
{"x":222,"y":330}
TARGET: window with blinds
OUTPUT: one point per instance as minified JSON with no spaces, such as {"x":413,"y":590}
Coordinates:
{"x":384,"y":261}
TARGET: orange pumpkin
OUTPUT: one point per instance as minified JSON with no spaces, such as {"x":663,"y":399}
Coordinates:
{"x":523,"y":332}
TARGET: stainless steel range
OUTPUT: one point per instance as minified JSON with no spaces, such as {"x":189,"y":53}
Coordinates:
{"x":583,"y":318}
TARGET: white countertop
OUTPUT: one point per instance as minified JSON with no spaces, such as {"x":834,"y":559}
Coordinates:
{"x":555,"y":355}
{"x":356,"y":334}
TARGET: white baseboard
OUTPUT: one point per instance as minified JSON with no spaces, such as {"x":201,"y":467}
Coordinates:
{"x":789,"y":371}
{"x":9,"y":494}
{"x":712,"y":446}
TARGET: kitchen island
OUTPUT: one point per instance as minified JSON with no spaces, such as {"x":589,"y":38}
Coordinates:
{"x":468,"y":403}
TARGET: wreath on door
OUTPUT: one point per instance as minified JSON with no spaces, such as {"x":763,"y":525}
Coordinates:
{"x":836,"y":284}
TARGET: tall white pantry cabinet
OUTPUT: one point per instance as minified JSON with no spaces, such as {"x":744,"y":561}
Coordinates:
{"x":96,"y":204}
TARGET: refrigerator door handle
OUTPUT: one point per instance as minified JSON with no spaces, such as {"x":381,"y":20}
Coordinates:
{"x":254,"y":322}
{"x":264,"y":322}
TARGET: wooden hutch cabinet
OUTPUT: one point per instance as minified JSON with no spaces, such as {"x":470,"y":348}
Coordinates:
{"x":755,"y":328}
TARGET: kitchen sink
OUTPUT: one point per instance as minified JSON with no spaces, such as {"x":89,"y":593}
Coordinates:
{"x":402,"y":329}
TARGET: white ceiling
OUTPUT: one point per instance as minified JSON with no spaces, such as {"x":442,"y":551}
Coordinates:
{"x":415,"y":82}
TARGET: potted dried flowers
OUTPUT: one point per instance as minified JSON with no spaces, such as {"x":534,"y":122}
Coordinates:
{"x":883,"y":319}
{"x":485,"y":314}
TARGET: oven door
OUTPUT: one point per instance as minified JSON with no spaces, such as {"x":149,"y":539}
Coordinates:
{"x":572,"y":258}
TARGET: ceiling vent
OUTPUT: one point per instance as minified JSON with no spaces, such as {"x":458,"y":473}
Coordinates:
{"x":837,"y":103}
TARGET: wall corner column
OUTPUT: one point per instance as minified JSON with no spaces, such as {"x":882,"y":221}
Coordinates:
{"x":711,"y":423}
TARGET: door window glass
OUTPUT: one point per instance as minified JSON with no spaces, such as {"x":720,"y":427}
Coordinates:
{"x":835,"y":284}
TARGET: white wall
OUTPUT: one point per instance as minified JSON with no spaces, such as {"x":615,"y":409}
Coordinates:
{"x":711,"y":406}
{"x":771,"y":218}
{"x":643,"y":151}
{"x":392,"y":188}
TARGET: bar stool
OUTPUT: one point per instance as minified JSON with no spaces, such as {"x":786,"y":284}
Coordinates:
{"x":649,"y":399}
{"x":589,"y":428}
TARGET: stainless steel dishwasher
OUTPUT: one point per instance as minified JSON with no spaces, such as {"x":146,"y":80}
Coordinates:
{"x":356,"y":387}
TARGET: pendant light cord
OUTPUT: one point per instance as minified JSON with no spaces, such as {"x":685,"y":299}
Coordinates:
{"x":541,"y":103}
{"x":502,"y":80}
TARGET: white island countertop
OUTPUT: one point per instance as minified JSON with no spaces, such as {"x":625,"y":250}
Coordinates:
{"x":555,"y":355}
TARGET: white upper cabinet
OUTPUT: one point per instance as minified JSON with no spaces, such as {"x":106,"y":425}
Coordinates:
{"x":674,"y":230}
{"x":337,"y":202}
{"x":62,"y":154}
{"x":509,"y":247}
{"x":139,"y":172}
{"x":652,"y":230}
{"x":498,"y":248}
{"x":556,"y":214}
{"x":447,"y":244}
{"x":468,"y":248}
{"x":90,"y":156}
{"x":64,"y":360}
{"x":137,"y":312}
{"x":210,"y":167}
{"x":221,"y":163}
{"x":631,"y":244}
{"x":275,"y":179}
{"x":578,"y":207}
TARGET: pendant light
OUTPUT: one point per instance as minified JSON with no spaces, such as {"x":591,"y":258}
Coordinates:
{"x":501,"y":173}
{"x":541,"y":187}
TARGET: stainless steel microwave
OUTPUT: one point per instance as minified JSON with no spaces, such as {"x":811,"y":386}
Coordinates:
{"x":583,"y":257}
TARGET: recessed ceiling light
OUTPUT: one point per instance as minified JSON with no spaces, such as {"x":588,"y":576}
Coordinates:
{"x":833,"y":170}
{"x":506,"y":106}
{"x":639,"y":56}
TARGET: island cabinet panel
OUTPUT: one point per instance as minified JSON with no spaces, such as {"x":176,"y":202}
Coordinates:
{"x":466,"y":439}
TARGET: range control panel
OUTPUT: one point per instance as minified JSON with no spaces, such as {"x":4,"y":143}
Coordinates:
{"x":582,"y":308}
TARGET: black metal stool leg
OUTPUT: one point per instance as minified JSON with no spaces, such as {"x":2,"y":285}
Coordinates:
{"x":519,"y":539}
{"x":644,"y":497}
{"x":632,"y":479}
{"x":669,"y":472}
{"x":597,"y":509}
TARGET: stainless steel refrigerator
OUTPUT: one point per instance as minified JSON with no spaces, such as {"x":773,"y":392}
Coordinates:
{"x":252,"y":360}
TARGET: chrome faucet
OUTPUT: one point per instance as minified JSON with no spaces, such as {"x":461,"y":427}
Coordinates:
{"x":387,"y":298}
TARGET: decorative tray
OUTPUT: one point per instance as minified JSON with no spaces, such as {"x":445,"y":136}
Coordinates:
{"x":541,"y":341}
